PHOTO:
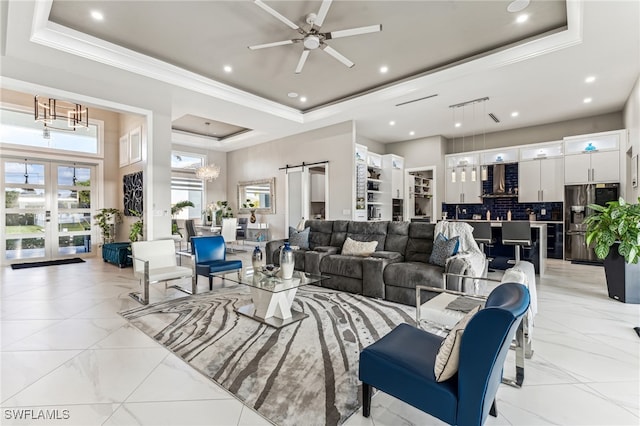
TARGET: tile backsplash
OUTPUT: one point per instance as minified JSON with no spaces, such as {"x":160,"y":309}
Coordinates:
{"x":500,"y":206}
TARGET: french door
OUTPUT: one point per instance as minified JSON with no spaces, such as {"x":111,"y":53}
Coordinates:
{"x":46,"y":210}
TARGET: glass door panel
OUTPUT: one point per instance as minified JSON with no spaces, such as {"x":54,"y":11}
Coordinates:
{"x":46,"y":210}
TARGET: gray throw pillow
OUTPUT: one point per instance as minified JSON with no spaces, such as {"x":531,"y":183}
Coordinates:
{"x":299,"y":238}
{"x":443,"y":248}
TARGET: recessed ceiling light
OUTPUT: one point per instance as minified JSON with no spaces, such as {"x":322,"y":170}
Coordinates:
{"x":97,"y":15}
{"x":292,"y":94}
{"x":411,"y":133}
{"x":392,"y":123}
{"x":458,"y":124}
{"x":227,"y":68}
{"x":384,"y":69}
{"x":590,"y":79}
{"x":303,"y":99}
{"x":522,"y":18}
{"x":517,"y":6}
{"x":515,"y":114}
{"x":587,"y":100}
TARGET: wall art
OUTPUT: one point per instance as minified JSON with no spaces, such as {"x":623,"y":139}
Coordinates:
{"x":133,"y":192}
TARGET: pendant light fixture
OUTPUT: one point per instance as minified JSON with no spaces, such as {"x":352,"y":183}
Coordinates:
{"x":484,"y":171}
{"x":474,"y":173}
{"x":463,"y":172}
{"x":453,"y":169}
{"x":60,"y":115}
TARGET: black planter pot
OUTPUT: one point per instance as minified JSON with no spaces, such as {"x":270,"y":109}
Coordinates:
{"x":623,"y":279}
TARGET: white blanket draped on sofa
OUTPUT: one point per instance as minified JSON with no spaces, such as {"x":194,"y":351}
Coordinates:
{"x":469,"y":251}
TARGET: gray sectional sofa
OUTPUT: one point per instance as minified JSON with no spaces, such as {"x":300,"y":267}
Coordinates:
{"x":400,"y":262}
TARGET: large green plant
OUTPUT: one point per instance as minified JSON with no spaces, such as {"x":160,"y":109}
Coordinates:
{"x":137,"y":227}
{"x":106,"y":219}
{"x":175,"y":209}
{"x":617,"y":222}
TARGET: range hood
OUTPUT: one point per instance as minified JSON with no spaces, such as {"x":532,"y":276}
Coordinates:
{"x":499,"y":186}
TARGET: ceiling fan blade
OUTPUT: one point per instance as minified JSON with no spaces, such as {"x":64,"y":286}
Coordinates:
{"x":353,"y":31}
{"x":322,"y":13}
{"x":333,"y":52}
{"x":277,"y":15}
{"x":303,"y":59}
{"x":274,"y":44}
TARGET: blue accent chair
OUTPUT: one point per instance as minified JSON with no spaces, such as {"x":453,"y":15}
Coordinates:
{"x":210,"y":257}
{"x":401,"y":363}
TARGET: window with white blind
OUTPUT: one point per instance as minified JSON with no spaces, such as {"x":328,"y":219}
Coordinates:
{"x":185,"y":186}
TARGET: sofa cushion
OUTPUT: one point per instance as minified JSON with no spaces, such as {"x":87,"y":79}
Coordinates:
{"x":420,"y":243}
{"x":320,"y":232}
{"x":299,"y":238}
{"x":339,"y":233}
{"x":358,"y":248}
{"x":397,"y":237}
{"x":443,"y":248}
{"x":368,"y":231}
{"x":448,"y":357}
{"x":340,"y":265}
{"x":409,"y":274}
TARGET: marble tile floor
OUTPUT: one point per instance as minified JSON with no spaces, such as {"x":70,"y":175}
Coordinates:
{"x":64,"y":348}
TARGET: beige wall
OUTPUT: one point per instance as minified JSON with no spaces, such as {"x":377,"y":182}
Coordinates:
{"x":333,"y":144}
{"x":631,"y":115}
{"x":543,"y":133}
{"x":425,"y":152}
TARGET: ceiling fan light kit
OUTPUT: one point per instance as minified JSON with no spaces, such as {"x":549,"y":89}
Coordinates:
{"x":312,"y":39}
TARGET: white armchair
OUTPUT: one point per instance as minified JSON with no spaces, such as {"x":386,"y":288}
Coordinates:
{"x":155,"y":261}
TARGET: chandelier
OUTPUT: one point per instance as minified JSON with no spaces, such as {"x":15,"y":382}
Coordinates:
{"x":209,"y":172}
{"x":59,"y":115}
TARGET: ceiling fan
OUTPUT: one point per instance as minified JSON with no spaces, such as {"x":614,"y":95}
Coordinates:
{"x":312,"y":38}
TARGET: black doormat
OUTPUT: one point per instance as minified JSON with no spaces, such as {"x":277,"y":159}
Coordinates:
{"x":46,"y":263}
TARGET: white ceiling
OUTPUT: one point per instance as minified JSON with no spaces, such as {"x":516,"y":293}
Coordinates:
{"x":541,"y":78}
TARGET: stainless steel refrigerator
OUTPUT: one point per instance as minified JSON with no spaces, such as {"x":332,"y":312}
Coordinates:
{"x":576,"y":200}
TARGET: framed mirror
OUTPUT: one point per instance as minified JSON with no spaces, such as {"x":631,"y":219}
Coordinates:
{"x":258,"y":195}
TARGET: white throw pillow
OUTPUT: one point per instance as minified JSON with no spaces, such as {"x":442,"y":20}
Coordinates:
{"x":358,"y":248}
{"x":448,"y":356}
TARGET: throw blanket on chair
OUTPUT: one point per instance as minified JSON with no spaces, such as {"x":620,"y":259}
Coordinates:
{"x":469,"y":251}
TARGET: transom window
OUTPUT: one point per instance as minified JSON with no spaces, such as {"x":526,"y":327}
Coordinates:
{"x":19,"y":128}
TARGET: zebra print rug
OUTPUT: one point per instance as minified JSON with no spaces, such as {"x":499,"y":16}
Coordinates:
{"x":305,"y":373}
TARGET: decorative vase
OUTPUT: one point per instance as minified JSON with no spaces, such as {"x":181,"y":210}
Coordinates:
{"x":256,"y":258}
{"x":252,"y":219}
{"x":286,"y":262}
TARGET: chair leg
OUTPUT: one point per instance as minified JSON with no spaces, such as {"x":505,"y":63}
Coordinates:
{"x":366,"y":400}
{"x":210,"y":283}
{"x":493,"y":410}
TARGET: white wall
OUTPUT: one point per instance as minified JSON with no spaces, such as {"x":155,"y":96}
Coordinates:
{"x":631,"y":115}
{"x":333,"y":144}
{"x":425,"y":152}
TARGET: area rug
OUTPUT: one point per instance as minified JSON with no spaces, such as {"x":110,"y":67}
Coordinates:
{"x":303,"y":374}
{"x":46,"y":263}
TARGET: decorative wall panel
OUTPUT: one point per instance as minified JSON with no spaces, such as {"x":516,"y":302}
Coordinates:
{"x":133,"y":191}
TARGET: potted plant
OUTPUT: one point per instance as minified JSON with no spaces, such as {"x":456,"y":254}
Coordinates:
{"x":222,"y":210}
{"x":106,"y":219}
{"x":175,"y":209}
{"x":251,"y":205}
{"x":137,"y":227}
{"x":617,"y":226}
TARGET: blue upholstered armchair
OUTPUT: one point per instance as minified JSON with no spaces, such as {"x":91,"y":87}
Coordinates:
{"x":210,"y":257}
{"x":401,"y":364}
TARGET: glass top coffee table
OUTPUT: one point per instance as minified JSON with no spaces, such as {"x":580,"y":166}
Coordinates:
{"x":272,"y":295}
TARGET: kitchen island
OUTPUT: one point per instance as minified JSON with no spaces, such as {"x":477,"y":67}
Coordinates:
{"x":536,"y":254}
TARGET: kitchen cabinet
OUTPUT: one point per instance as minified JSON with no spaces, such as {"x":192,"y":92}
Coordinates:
{"x":541,"y":180}
{"x":596,"y":167}
{"x":462,"y":192}
{"x":592,"y":158}
{"x":393,"y":166}
{"x":462,"y":177}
